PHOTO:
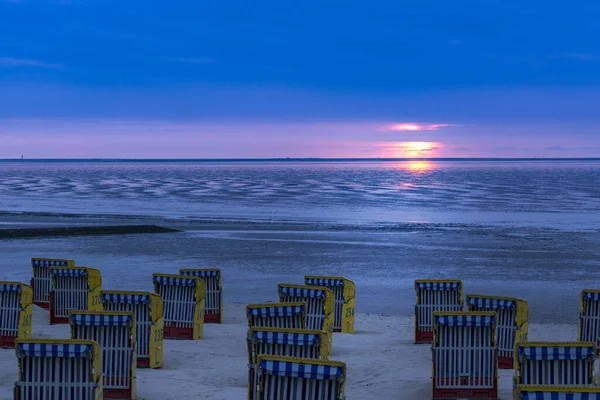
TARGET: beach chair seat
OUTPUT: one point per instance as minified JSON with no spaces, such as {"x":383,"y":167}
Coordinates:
{"x":16,"y":305}
{"x":184,"y":298}
{"x":115,"y":333}
{"x":277,"y":315}
{"x":465,"y":357}
{"x":559,"y":369}
{"x":286,"y":378}
{"x":297,"y":343}
{"x":213,"y":312}
{"x":512,"y":323}
{"x":74,"y":289}
{"x":41,"y":281}
{"x":64,"y":369}
{"x":344,"y":294}
{"x":589,"y":317}
{"x":147,"y":308}
{"x":434,"y":295}
{"x":319,"y":306}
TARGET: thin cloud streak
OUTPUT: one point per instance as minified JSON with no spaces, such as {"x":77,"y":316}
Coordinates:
{"x":412,"y":126}
{"x":23,"y":62}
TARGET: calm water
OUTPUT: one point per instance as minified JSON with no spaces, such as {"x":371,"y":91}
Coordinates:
{"x":527,"y":229}
{"x":563,"y":194}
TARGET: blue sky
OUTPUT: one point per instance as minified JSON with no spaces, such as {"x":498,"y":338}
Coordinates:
{"x":324,"y":79}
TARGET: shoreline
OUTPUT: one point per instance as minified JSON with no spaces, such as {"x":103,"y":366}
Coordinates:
{"x":18,"y":233}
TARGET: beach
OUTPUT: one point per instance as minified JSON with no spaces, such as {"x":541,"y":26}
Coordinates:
{"x":507,"y":238}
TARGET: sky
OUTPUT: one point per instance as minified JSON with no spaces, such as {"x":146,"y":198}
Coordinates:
{"x":242,"y":79}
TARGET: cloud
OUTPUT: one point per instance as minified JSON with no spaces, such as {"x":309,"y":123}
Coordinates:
{"x":411,"y":126}
{"x":186,"y":60}
{"x":23,"y":62}
{"x":578,"y":56}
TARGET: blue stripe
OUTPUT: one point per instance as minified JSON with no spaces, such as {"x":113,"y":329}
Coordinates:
{"x":484,"y":302}
{"x":125,"y":298}
{"x":200,"y":273}
{"x":169,"y":281}
{"x":10,"y":287}
{"x":275,"y":311}
{"x":464,"y":320}
{"x":438,"y":285}
{"x":556,"y":352}
{"x":53,"y":350}
{"x":305,"y":370}
{"x":324,"y":282}
{"x":69,"y":272}
{"x":291,"y":338}
{"x":107,"y":319}
{"x":302,"y":292}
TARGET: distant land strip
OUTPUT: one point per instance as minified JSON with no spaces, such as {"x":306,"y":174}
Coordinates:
{"x":83,"y":231}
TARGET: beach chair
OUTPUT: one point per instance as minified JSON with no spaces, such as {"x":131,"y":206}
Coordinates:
{"x":16,"y":301}
{"x":277,"y":315}
{"x":213,"y":313}
{"x":319,"y":306}
{"x":465,"y":356}
{"x":287,"y":378}
{"x":589,"y":317}
{"x":344,"y":294}
{"x":64,"y":369}
{"x":555,"y":370}
{"x":115,"y":333}
{"x":298,"y":343}
{"x":512,"y":323}
{"x":183,"y":303}
{"x":434,"y":295}
{"x":149,"y":322}
{"x":73,"y":288}
{"x":41,"y":282}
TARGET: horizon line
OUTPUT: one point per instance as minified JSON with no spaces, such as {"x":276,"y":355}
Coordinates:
{"x":101,"y":159}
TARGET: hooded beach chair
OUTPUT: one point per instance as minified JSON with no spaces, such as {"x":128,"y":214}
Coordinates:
{"x":183,"y":302}
{"x":62,"y":369}
{"x":115,"y":333}
{"x":589,"y":316}
{"x":555,"y":370}
{"x":73,"y":289}
{"x":277,"y":315}
{"x":512,"y":323}
{"x":41,"y":282}
{"x":147,"y":309}
{"x":344,"y":294}
{"x":16,"y":301}
{"x":465,"y":356}
{"x":298,"y":343}
{"x":287,"y":378}
{"x":434,"y":295}
{"x":213,"y":312}
{"x":319,"y":305}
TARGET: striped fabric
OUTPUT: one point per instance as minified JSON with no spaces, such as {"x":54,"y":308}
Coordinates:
{"x":297,"y":370}
{"x":298,"y":339}
{"x":438,"y":285}
{"x":464,"y":320}
{"x":100,"y":319}
{"x":167,"y":280}
{"x":595,"y":296}
{"x":69,"y":272}
{"x":9,"y":287}
{"x":53,"y":350}
{"x":200,"y":273}
{"x":280,"y":311}
{"x":484,"y":302}
{"x":302,"y":292}
{"x":556,"y":352}
{"x":559,"y":396}
{"x":125,"y":298}
{"x":49,"y":263}
{"x":324,"y":282}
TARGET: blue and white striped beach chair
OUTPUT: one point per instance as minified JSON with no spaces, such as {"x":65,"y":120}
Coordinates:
{"x":41,"y":282}
{"x":115,"y":333}
{"x":555,"y":370}
{"x":589,"y":317}
{"x":465,"y":356}
{"x":434,"y":295}
{"x":212,"y":277}
{"x":286,"y":378}
{"x":298,"y":343}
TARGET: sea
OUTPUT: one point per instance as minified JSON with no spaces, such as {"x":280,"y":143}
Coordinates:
{"x":528,"y":228}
